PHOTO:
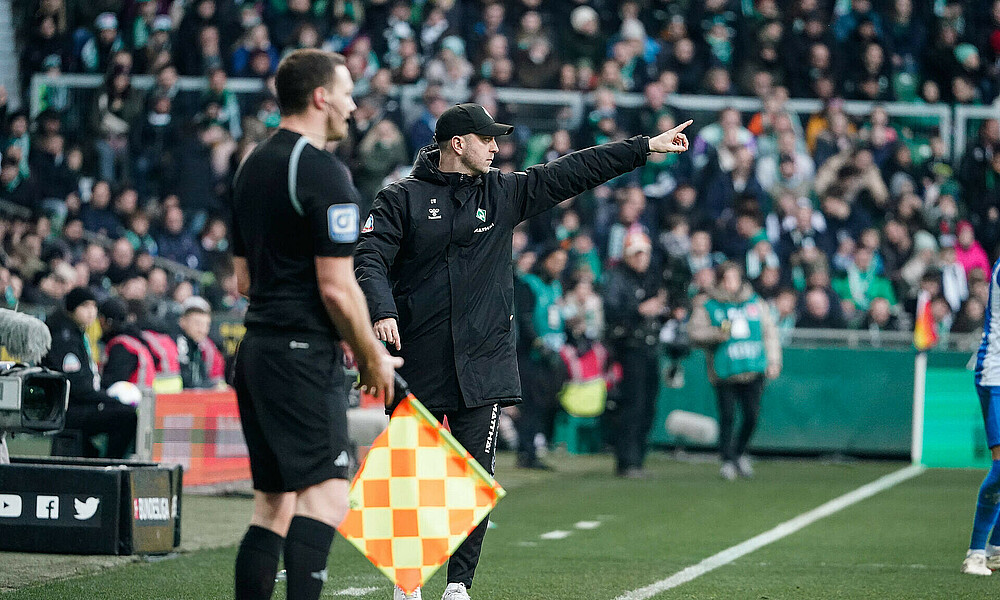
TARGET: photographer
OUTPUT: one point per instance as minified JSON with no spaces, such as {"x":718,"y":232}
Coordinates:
{"x":90,"y":410}
{"x":741,"y":347}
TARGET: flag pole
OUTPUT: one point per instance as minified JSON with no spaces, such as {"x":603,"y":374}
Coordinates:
{"x":919,"y":388}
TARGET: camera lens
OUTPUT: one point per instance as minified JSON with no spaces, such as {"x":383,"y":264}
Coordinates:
{"x":35,"y":404}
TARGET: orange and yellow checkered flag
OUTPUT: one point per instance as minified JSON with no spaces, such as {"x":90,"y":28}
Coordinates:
{"x":416,"y":498}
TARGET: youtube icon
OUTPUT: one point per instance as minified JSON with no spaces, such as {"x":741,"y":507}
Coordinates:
{"x":10,"y":506}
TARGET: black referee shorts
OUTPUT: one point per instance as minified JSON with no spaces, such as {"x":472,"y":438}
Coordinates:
{"x":292,"y":397}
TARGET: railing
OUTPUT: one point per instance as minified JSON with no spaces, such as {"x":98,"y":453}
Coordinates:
{"x":952,"y":127}
{"x":964,"y":114}
{"x":865,"y":338}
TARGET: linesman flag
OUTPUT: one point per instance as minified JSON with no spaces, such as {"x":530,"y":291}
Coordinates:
{"x":416,"y":498}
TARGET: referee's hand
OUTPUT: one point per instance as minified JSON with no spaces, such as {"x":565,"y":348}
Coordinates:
{"x":387,"y":330}
{"x":378,"y":374}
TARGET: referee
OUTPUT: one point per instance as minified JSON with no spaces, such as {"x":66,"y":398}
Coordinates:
{"x":434,"y":263}
{"x":295,"y":225}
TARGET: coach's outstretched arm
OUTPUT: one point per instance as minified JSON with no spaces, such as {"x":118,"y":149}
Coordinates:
{"x":541,"y":187}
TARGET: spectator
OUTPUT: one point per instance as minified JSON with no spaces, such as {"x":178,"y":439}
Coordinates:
{"x":862,"y":282}
{"x":537,"y":66}
{"x":122,"y":262}
{"x":970,"y":317}
{"x":90,"y":409}
{"x":175,"y":243}
{"x":127,"y":356}
{"x":968,"y":252}
{"x":115,"y":110}
{"x":817,"y":313}
{"x":46,"y":43}
{"x":255,"y":40}
{"x":214,"y":238}
{"x":202,"y":365}
{"x":739,"y":182}
{"x":539,"y":304}
{"x":198,"y":39}
{"x":95,"y":54}
{"x":380,"y":152}
{"x":636,"y":308}
{"x":158,"y":137}
{"x":583,"y":41}
{"x":880,"y":317}
{"x":954,"y":281}
{"x":20,"y":192}
{"x":449,"y":69}
{"x":421,"y":132}
{"x":97,"y":215}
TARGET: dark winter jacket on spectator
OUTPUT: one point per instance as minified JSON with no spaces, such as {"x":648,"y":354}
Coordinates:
{"x":70,"y":354}
{"x":181,"y":247}
{"x":100,"y":220}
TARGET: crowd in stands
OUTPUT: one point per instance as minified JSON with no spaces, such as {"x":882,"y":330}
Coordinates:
{"x":838,"y":220}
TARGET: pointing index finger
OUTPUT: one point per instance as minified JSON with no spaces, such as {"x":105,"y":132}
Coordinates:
{"x":682,"y":126}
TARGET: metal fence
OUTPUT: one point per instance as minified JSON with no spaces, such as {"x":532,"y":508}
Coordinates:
{"x":547,"y":110}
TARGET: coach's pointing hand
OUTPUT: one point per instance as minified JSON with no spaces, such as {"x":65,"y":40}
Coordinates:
{"x":387,"y":331}
{"x":670,"y":141}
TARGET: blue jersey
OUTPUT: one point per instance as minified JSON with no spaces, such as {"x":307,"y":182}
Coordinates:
{"x":988,"y":358}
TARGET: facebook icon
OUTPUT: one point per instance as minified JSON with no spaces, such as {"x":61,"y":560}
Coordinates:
{"x":47,"y":507}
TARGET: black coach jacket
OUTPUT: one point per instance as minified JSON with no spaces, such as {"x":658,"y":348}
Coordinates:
{"x":435,"y":253}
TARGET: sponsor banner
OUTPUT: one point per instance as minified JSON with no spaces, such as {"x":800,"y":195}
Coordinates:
{"x":200,"y":430}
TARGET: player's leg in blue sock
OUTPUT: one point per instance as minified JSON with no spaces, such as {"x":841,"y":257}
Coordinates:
{"x":987,"y":508}
{"x":988,"y":505}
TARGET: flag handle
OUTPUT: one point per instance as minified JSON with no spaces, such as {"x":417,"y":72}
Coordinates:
{"x":402,"y":391}
{"x":919,"y":388}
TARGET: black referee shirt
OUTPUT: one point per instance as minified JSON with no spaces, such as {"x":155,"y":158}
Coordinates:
{"x":292,"y":202}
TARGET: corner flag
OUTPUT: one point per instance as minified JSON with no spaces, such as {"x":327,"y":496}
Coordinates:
{"x":924,"y":331}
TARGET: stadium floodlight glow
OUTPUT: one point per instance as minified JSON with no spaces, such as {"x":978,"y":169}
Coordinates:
{"x":32,"y":399}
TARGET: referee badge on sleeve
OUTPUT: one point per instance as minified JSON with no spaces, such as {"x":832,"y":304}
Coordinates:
{"x":342,"y":221}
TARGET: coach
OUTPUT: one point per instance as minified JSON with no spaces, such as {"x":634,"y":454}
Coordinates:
{"x":434,"y":261}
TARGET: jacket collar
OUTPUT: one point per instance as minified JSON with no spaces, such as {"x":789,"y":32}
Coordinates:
{"x":425,"y":168}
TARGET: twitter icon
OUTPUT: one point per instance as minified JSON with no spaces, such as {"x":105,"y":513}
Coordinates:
{"x":85,"y":509}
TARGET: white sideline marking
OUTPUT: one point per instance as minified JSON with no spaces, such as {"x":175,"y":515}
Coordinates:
{"x":588,"y":525}
{"x":783,"y":530}
{"x":356,"y":592}
{"x":555,"y":535}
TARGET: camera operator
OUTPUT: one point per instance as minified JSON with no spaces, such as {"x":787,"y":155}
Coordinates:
{"x":90,"y":410}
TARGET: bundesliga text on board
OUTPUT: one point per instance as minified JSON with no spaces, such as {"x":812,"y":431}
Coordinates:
{"x":157,"y":508}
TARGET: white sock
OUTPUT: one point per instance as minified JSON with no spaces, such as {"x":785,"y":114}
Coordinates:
{"x":992,"y":550}
{"x":971,"y":552}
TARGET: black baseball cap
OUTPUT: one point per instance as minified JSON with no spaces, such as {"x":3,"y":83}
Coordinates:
{"x":468,"y":118}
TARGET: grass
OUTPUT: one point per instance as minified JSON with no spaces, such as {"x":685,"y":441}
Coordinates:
{"x":906,"y":542}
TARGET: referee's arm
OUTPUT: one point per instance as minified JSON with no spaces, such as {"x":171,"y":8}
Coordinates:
{"x":333,"y":225}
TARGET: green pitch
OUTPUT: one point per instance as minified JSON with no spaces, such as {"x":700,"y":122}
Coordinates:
{"x":581,"y":533}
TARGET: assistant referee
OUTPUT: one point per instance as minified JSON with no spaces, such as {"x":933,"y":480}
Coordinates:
{"x":295,"y":225}
{"x":434,"y":263}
